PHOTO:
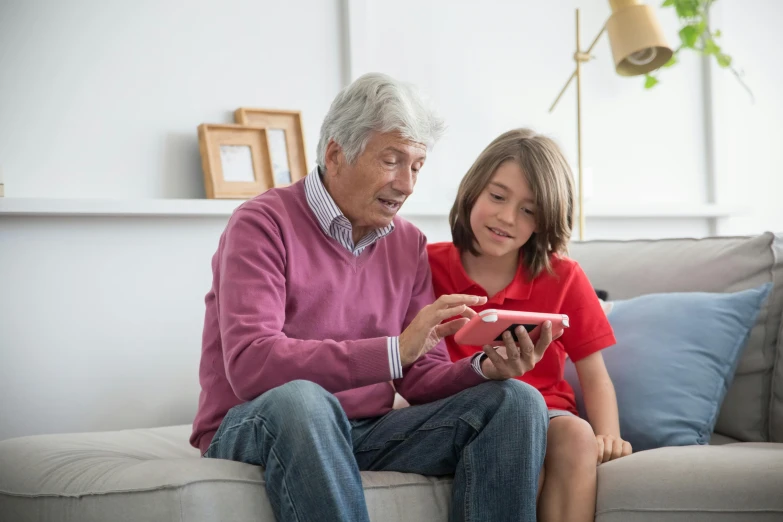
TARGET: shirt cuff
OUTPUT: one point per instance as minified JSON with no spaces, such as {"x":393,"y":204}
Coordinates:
{"x":476,"y":363}
{"x":395,"y":364}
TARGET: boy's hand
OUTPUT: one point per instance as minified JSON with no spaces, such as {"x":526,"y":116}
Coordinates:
{"x":612,"y":448}
{"x":512,"y":360}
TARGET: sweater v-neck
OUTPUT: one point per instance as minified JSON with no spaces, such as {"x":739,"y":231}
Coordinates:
{"x":348,"y":257}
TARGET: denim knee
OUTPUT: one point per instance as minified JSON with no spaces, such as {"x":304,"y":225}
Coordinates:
{"x":299,"y":405}
{"x":519,"y":399}
{"x":527,"y":398}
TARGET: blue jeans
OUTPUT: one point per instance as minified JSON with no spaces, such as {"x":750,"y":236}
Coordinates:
{"x":492,"y":438}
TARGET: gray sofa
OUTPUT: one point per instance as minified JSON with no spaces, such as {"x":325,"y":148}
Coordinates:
{"x":153,"y":474}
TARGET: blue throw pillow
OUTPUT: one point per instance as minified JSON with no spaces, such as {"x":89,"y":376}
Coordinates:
{"x":673,"y":362}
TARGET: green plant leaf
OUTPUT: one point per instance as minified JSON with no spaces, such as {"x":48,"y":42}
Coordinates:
{"x":689,"y":35}
{"x":687,"y":8}
{"x":724,"y":60}
{"x":710,"y":47}
{"x":696,"y":35}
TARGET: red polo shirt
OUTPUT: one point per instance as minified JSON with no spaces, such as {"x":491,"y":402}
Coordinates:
{"x":567,"y":292}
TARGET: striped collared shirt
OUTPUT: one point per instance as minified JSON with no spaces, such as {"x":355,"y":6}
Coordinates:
{"x":333,"y":222}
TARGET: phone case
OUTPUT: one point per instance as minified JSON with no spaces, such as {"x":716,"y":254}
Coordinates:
{"x":488,"y":326}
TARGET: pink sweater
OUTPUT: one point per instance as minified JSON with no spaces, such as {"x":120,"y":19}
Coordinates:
{"x":289,"y":303}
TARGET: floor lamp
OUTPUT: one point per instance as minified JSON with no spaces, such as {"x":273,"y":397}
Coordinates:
{"x":638,"y":47}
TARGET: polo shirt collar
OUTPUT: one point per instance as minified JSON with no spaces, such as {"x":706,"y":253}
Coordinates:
{"x":519,"y":288}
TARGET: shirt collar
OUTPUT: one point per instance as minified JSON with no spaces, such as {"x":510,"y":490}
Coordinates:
{"x":519,"y":288}
{"x":321,"y":203}
{"x":326,"y":210}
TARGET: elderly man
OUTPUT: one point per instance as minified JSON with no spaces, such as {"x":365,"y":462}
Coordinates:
{"x":321,"y":306}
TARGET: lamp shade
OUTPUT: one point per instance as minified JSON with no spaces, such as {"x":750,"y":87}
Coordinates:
{"x":637,"y":41}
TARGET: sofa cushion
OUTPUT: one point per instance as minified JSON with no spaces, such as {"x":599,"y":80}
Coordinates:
{"x":154,"y":474}
{"x":719,"y":440}
{"x":673,"y":362}
{"x":734,"y":482}
{"x":722,"y":264}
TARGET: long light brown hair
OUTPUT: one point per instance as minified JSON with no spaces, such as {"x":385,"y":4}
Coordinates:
{"x":550,"y":178}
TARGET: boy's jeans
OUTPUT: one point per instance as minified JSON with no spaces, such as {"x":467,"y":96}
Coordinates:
{"x":492,"y":438}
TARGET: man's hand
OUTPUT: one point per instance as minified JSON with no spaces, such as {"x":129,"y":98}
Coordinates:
{"x":425,"y":331}
{"x":611,"y":448}
{"x":517,"y":360}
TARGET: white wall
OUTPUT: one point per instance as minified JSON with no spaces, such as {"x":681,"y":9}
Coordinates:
{"x":750,"y":135}
{"x":501,"y":65}
{"x":102,"y":99}
{"x":100,"y":321}
{"x":100,"y":318}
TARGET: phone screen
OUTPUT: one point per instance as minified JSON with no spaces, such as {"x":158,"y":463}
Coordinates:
{"x":513,"y":328}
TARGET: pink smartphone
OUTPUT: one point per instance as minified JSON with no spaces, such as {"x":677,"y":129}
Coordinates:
{"x":488,"y":326}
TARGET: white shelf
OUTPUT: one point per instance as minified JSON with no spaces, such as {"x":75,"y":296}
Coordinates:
{"x":660,"y":210}
{"x":118,"y":207}
{"x":217,"y":207}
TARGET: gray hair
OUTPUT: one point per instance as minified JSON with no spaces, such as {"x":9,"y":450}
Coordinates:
{"x":377,"y":102}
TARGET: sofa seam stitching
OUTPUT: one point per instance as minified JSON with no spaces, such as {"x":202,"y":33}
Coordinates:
{"x":169,"y":487}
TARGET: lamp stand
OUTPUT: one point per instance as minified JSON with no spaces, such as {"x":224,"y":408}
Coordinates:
{"x":579,"y":57}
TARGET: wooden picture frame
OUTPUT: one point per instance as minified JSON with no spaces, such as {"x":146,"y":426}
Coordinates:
{"x":235,"y":160}
{"x":285,"y":136}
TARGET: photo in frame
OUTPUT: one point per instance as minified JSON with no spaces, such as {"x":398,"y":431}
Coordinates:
{"x":235,"y":160}
{"x":285,"y":136}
